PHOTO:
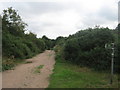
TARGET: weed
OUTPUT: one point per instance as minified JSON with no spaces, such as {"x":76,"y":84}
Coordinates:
{"x":37,"y":69}
{"x":28,"y":62}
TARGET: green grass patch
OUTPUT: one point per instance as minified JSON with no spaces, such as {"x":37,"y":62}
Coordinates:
{"x":67,"y":75}
{"x":37,"y":69}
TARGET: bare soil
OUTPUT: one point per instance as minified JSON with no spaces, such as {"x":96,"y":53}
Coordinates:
{"x":24,"y":76}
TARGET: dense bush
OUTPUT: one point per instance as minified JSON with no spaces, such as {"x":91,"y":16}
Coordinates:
{"x":117,"y":49}
{"x":87,"y":48}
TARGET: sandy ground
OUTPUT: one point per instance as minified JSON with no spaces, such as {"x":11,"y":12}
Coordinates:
{"x":24,"y":76}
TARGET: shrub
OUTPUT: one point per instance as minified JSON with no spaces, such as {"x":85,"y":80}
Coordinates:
{"x":87,"y":48}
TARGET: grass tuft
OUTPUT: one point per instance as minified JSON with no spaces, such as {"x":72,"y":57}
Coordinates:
{"x":37,"y":69}
{"x":28,"y":62}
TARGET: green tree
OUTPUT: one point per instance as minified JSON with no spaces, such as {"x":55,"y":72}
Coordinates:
{"x":50,"y":43}
{"x":12,"y":22}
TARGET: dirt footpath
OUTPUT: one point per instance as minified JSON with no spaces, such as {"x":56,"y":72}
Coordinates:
{"x":25,"y":75}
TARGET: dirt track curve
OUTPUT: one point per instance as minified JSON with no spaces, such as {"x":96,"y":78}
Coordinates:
{"x":24,"y":75}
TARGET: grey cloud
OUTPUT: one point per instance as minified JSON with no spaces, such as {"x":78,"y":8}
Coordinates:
{"x":36,"y":7}
{"x":30,"y":11}
{"x":119,"y":12}
{"x":105,"y":15}
{"x":108,"y":13}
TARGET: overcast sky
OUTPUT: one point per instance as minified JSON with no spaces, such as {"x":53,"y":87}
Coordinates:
{"x":61,"y":18}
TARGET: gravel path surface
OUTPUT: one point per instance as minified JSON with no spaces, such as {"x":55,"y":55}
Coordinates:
{"x":29,"y":75}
